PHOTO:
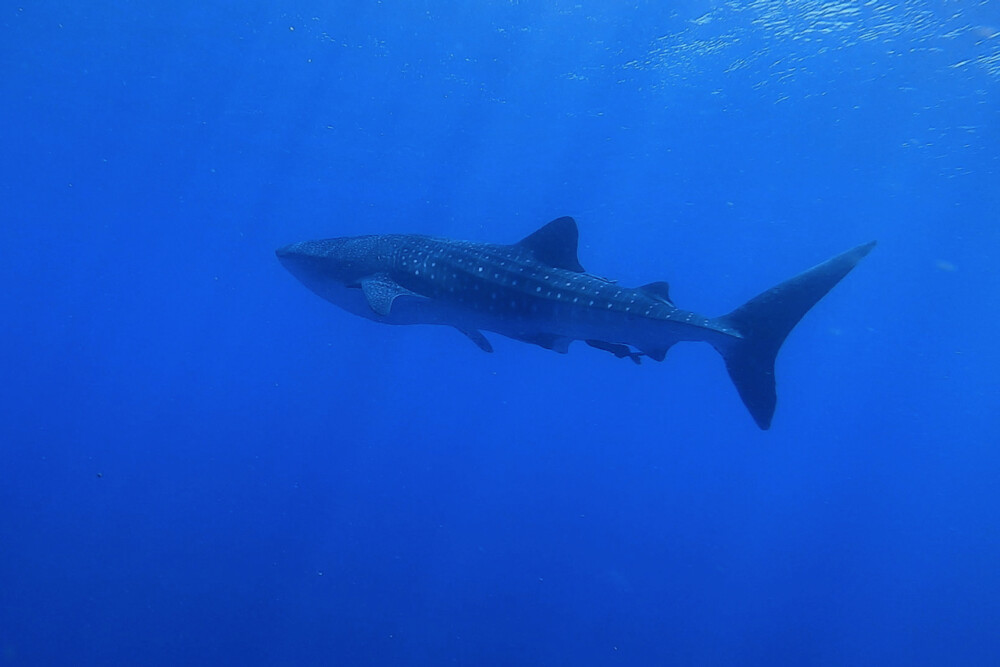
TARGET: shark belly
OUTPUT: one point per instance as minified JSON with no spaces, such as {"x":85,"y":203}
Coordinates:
{"x":607,"y":324}
{"x":546,"y":306}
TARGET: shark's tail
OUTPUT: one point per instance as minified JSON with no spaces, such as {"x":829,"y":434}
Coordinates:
{"x":766,"y":320}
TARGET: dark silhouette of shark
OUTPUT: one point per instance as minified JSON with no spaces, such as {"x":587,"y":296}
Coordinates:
{"x":536,"y":291}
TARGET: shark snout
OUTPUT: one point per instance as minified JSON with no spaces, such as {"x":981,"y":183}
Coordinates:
{"x":326,"y":260}
{"x":296,"y":254}
{"x":294,"y":258}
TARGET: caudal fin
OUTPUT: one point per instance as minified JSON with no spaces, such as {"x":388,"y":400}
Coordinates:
{"x":766,"y":320}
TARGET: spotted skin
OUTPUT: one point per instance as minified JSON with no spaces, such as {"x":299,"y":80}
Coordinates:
{"x":507,"y":282}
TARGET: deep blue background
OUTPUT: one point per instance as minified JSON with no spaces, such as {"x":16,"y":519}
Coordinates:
{"x":205,"y":464}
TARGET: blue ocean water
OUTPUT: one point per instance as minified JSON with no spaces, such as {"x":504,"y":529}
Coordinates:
{"x":205,"y":464}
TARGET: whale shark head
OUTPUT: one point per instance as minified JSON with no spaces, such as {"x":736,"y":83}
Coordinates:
{"x":341,"y":260}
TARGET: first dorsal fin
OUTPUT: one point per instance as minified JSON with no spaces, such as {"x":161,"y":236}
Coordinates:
{"x":555,"y":244}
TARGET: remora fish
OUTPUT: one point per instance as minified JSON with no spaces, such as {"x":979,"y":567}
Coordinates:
{"x":536,"y":291}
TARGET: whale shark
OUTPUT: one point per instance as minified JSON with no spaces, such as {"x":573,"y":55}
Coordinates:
{"x":536,"y":291}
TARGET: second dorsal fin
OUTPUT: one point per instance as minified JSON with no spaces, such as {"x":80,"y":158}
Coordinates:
{"x":555,"y":244}
{"x":659,"y":291}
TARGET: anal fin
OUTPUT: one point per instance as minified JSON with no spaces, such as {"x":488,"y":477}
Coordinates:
{"x":658,"y":353}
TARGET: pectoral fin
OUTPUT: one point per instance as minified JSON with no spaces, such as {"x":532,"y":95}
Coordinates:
{"x":380,"y":290}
